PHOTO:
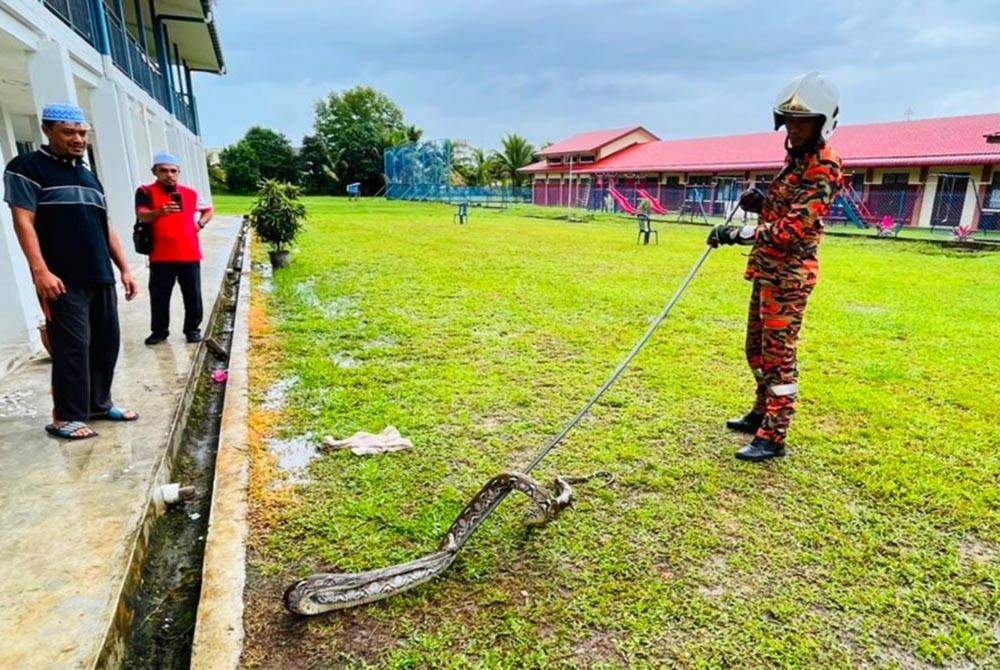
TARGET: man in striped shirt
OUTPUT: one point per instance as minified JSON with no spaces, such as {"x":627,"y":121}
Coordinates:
{"x":61,"y":221}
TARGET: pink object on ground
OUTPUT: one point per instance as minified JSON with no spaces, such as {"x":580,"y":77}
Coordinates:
{"x":219,"y":376}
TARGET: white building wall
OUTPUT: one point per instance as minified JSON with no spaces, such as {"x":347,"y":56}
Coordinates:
{"x":129,"y":127}
{"x":969,"y":204}
{"x":18,"y":329}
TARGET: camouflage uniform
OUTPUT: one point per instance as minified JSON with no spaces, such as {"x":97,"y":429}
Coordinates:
{"x":784,"y":268}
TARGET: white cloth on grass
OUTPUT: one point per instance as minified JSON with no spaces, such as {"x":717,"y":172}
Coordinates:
{"x":366,"y":444}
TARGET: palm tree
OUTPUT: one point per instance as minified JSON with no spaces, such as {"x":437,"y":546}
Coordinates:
{"x":481,"y":165}
{"x":517,"y":152}
{"x":406,"y":135}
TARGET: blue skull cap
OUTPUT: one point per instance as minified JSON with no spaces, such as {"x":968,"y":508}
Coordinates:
{"x":63,"y":112}
{"x":163,"y":158}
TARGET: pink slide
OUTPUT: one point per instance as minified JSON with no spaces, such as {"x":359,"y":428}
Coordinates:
{"x":622,"y":202}
{"x":655,"y":204}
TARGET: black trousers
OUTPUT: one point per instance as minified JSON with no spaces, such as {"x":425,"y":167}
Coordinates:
{"x":84,"y":338}
{"x":161,"y":286}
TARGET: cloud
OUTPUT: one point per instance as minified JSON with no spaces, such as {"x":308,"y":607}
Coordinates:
{"x":549,"y":69}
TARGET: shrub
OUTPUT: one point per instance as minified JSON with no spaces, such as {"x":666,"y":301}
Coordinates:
{"x":277,"y":214}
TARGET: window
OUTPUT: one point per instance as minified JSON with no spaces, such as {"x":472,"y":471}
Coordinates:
{"x":895,"y":178}
{"x":673,"y":181}
{"x":699,"y":180}
{"x":857,"y":181}
{"x":993,"y":194}
{"x":25,"y":148}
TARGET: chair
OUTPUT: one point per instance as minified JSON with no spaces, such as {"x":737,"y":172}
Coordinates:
{"x":462,"y":215}
{"x":354,"y":190}
{"x":645,"y":229}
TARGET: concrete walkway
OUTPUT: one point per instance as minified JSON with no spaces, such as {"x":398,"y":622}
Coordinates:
{"x":71,"y":512}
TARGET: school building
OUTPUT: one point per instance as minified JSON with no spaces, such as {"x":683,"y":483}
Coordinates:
{"x":128,"y":64}
{"x":931,"y":173}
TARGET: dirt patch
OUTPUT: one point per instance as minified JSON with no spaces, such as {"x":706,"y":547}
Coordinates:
{"x":601,"y":648}
{"x":975,"y":551}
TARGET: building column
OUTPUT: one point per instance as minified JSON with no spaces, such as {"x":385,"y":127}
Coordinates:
{"x":18,"y":303}
{"x":112,"y":149}
{"x":50,"y":77}
{"x":927,"y":205}
{"x":137,"y":169}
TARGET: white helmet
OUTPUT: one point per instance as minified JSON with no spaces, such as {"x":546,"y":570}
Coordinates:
{"x":809,"y":94}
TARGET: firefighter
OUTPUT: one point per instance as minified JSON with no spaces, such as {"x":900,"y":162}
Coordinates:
{"x":783,"y":264}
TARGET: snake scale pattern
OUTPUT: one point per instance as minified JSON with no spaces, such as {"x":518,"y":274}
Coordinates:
{"x":324,"y":592}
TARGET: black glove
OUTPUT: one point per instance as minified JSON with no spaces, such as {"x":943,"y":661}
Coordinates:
{"x":752,"y":200}
{"x":730,"y":235}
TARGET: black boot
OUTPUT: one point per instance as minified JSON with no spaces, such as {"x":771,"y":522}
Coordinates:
{"x":760,"y":450}
{"x":747,"y":424}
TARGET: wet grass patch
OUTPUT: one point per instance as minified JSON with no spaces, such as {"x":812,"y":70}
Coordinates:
{"x":872,"y":544}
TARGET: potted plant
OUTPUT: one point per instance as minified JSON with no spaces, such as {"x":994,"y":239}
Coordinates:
{"x":277,"y":217}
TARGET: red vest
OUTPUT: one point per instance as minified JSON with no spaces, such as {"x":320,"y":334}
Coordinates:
{"x":175,"y":236}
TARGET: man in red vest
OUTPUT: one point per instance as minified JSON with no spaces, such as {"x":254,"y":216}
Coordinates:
{"x":177,"y":215}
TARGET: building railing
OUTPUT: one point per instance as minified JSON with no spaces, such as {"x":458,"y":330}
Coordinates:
{"x":76,"y":14}
{"x":126,"y":54}
{"x":130,"y":58}
{"x":185,"y":111}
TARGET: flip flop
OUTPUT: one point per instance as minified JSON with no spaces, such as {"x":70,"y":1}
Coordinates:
{"x":67,"y":430}
{"x":117,"y":414}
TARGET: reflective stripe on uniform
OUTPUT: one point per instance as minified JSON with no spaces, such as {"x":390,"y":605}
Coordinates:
{"x":784,"y":389}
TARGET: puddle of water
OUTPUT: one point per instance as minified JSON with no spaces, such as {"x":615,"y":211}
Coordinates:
{"x":342,"y":359}
{"x":858,"y":308}
{"x":275,"y":397}
{"x":294,"y":456}
{"x":265,"y":272}
{"x":16,"y":403}
{"x":380,"y":342}
{"x":305,"y":292}
{"x":340,"y":307}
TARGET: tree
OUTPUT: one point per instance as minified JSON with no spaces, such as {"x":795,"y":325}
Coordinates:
{"x":516,"y":153}
{"x":357,"y":125}
{"x":216,"y":176}
{"x":275,"y":155}
{"x":261,"y":154}
{"x":407,"y":135}
{"x":239,"y":162}
{"x":317,"y":168}
{"x":476,"y":166}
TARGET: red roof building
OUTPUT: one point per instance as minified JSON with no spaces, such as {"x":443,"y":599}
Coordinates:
{"x":932,"y":172}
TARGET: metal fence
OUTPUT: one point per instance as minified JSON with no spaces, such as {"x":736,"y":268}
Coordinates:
{"x":424,"y":171}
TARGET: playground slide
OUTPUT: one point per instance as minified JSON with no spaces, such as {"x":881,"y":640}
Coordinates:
{"x":654,"y":203}
{"x":851,"y":212}
{"x":623,"y":203}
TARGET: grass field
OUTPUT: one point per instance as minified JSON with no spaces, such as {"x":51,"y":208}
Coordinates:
{"x":874,"y":543}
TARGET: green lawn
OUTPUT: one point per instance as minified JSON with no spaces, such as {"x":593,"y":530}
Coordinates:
{"x":874,"y":543}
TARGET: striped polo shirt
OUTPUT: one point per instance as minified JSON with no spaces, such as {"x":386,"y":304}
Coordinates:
{"x":71,"y":218}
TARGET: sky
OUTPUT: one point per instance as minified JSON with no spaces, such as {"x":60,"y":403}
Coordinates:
{"x":477,"y":70}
